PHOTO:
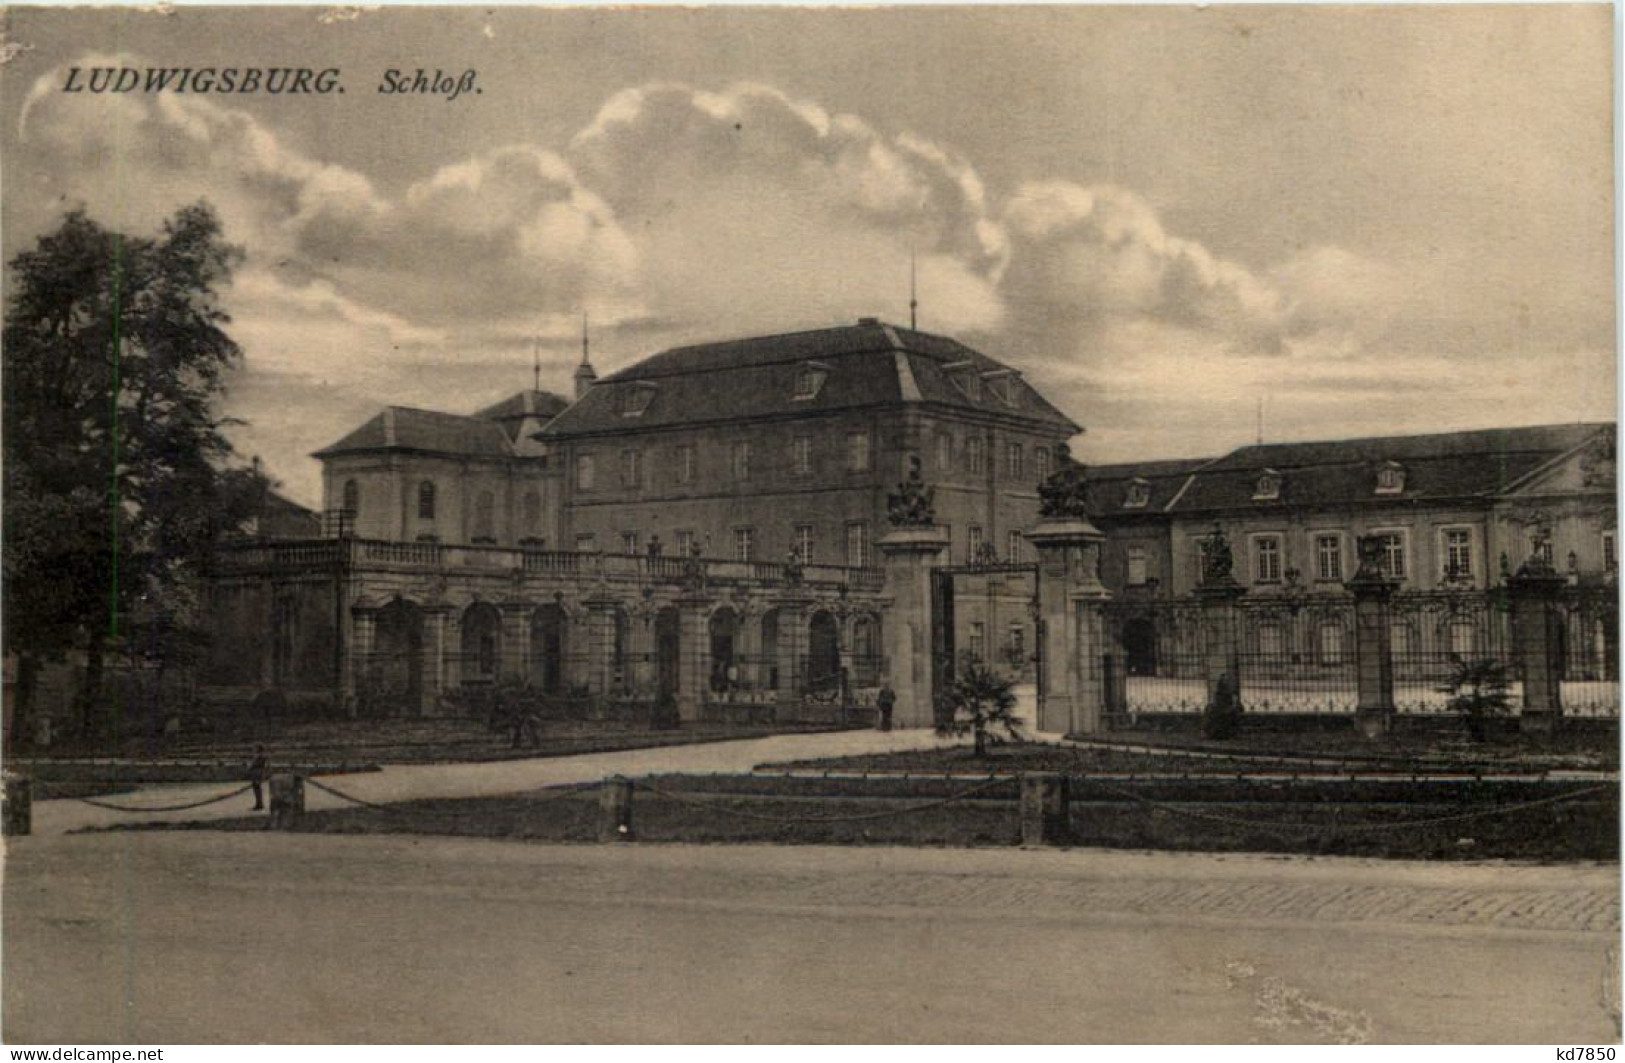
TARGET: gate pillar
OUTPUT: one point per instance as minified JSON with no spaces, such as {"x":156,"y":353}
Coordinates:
{"x":1373,"y":642}
{"x":1537,"y":643}
{"x":1071,"y":600}
{"x":792,"y":647}
{"x":910,"y":553}
{"x":436,"y":618}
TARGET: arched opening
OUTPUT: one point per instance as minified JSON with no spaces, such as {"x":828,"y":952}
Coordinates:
{"x":351,"y":504}
{"x":823,"y":673}
{"x":395,"y":670}
{"x":1331,"y":643}
{"x":549,"y":639}
{"x":426,"y":500}
{"x":724,"y":629}
{"x":482,"y":630}
{"x":1140,"y":646}
{"x":485,"y":504}
{"x":668,"y":643}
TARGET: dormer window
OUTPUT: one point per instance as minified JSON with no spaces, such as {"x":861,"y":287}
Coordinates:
{"x":810,"y":380}
{"x":1003,"y":383}
{"x":1268,"y":487}
{"x":965,"y":378}
{"x":1138,"y":495}
{"x":1390,"y":478}
{"x":633,"y":399}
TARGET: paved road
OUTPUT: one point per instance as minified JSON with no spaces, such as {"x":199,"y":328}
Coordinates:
{"x":408,"y":782}
{"x":201,"y":937}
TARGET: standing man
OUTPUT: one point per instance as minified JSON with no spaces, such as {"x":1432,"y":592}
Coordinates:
{"x":259,"y":769}
{"x":884,"y":702}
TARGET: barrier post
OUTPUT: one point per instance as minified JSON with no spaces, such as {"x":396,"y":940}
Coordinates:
{"x":1045,"y":809}
{"x":17,"y":815}
{"x":615,"y":810}
{"x":287,"y":802}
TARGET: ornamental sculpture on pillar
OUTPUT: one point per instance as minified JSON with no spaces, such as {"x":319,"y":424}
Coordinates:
{"x":1370,"y":549}
{"x":911,"y":505}
{"x":1063,"y":495}
{"x":693,"y":570}
{"x":1217,"y":560}
{"x":794,"y":571}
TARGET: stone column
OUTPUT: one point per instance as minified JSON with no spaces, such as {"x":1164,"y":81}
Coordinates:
{"x":792,"y":646}
{"x":437,"y":635}
{"x":748,"y":649}
{"x":909,"y":556}
{"x":1071,"y":600}
{"x":1373,"y":653}
{"x":693,"y":656}
{"x":363,"y":623}
{"x":600,"y":643}
{"x":513,"y":654}
{"x":1537,"y":644}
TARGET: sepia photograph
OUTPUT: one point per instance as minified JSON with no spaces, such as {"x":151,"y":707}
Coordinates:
{"x":908,"y":525}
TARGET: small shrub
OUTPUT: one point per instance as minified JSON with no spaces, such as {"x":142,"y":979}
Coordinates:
{"x":983,"y":703}
{"x":1478,"y":690}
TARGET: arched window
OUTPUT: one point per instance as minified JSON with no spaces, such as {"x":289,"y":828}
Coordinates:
{"x":485,"y":517}
{"x":352,"y":499}
{"x":1331,"y":643}
{"x":426,"y":500}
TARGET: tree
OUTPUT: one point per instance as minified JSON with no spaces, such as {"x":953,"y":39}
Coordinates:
{"x":1478,"y":690}
{"x":981,"y":700}
{"x":119,"y":478}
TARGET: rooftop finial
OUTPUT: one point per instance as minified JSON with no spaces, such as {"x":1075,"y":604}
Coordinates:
{"x":584,"y":337}
{"x":584,"y":372}
{"x":913,"y":293}
{"x":536,"y":364}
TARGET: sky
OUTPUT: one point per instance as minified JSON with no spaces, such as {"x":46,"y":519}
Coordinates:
{"x":1183,"y":225}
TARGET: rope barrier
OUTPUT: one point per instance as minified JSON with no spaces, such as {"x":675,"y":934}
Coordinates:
{"x":886,"y":814}
{"x":165,"y":808}
{"x":1351,"y":828}
{"x":551,"y":794}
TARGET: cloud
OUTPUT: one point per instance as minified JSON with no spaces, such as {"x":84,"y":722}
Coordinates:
{"x":761,"y":209}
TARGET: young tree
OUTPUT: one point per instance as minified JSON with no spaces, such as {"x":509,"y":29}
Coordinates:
{"x":119,"y":479}
{"x":982,"y":701}
{"x":1478,"y":690}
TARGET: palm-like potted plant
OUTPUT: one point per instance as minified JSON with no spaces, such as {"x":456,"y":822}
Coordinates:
{"x":983,"y":703}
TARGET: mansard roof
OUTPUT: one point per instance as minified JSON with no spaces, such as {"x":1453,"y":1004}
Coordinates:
{"x":514,"y":410}
{"x":867,"y":364}
{"x":1342,"y":473}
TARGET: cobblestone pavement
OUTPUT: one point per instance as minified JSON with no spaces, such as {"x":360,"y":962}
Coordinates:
{"x":156,"y":937}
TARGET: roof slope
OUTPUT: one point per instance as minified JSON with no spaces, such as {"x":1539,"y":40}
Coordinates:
{"x":426,"y":431}
{"x":869,"y":364}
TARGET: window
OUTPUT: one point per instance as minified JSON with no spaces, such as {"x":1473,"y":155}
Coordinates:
{"x":1393,"y":554}
{"x":945,"y":451}
{"x":1138,"y":495}
{"x":1462,"y":636}
{"x":632,"y":468}
{"x":965,"y":378}
{"x":857,"y":544}
{"x":629,"y":542}
{"x":352,"y":499}
{"x":426,"y":500}
{"x":1610,"y":558}
{"x":1268,"y":488}
{"x":632,"y":400}
{"x":1013,"y":548}
{"x":801,"y":450}
{"x":809,"y":381}
{"x":1004,"y":386}
{"x":1137,"y":566}
{"x":1401,"y":640}
{"x":973,"y":542}
{"x":584,"y":472}
{"x":1041,"y":459}
{"x":802,"y":541}
{"x":485,"y":505}
{"x":857,"y":452}
{"x":587,"y":542}
{"x":685,"y":544}
{"x":1271,"y":642}
{"x":1013,"y":460}
{"x":973,"y":454}
{"x":744,"y":543}
{"x":1543,"y":549}
{"x":1015,"y":645}
{"x":1390,"y":478}
{"x":977,"y":643}
{"x":685,"y":464}
{"x":1331,"y":643}
{"x":1267,"y":559}
{"x":1328,"y":557}
{"x":741,"y":460}
{"x":1458,"y":553}
{"x":532,"y":510}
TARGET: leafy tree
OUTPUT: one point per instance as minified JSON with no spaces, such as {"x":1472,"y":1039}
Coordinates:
{"x":982,"y":701}
{"x":119,"y":478}
{"x":1478,"y":690}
